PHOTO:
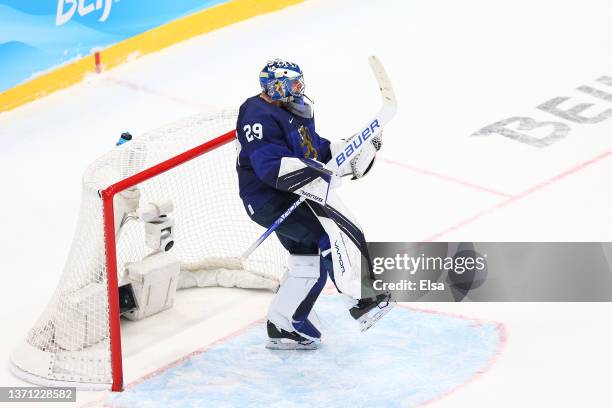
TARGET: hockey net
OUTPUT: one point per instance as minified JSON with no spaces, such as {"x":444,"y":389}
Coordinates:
{"x":76,"y":341}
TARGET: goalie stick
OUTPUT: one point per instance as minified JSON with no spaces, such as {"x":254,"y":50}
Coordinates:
{"x":342,"y":159}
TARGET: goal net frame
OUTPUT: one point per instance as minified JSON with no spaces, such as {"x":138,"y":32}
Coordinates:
{"x":186,"y":172}
{"x":108,"y":211}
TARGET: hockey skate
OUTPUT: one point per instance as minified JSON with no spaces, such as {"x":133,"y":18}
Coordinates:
{"x":279,"y":339}
{"x":368,"y":311}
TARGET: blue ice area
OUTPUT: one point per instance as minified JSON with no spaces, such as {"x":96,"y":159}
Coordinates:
{"x":408,"y":358}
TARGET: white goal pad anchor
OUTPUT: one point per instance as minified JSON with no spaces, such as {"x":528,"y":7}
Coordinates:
{"x":76,"y":340}
{"x":153,"y":281}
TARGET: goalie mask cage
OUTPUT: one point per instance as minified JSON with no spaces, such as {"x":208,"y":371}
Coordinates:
{"x":76,"y":341}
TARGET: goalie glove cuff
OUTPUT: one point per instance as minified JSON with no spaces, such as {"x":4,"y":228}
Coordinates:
{"x":357,"y":174}
{"x":377,"y":142}
{"x":337,"y":147}
{"x":361,"y":164}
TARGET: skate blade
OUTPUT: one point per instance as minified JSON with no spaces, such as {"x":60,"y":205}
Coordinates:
{"x":368,"y":320}
{"x":291,"y":345}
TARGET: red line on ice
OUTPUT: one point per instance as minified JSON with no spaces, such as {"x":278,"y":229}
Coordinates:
{"x":445,"y":177}
{"x":164,"y":95}
{"x":520,"y":196}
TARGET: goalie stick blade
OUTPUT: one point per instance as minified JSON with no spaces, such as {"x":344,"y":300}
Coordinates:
{"x":384,"y":83}
{"x":374,"y":126}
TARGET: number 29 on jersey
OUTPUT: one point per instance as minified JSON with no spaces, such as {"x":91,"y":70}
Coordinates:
{"x":252,"y":132}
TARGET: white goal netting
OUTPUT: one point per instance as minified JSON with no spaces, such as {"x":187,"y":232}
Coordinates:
{"x":70,"y":341}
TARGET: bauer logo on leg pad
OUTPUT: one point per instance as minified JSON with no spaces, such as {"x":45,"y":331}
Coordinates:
{"x":357,"y":141}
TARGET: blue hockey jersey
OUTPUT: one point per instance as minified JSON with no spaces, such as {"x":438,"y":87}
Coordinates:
{"x":266,"y":134}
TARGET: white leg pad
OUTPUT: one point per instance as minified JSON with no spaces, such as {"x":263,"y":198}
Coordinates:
{"x":346,"y":256}
{"x":303,"y":272}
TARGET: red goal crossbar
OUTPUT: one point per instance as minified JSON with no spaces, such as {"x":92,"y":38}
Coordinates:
{"x":108,"y":195}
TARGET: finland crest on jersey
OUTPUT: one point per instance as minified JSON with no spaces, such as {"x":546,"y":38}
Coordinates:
{"x":306,"y":143}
